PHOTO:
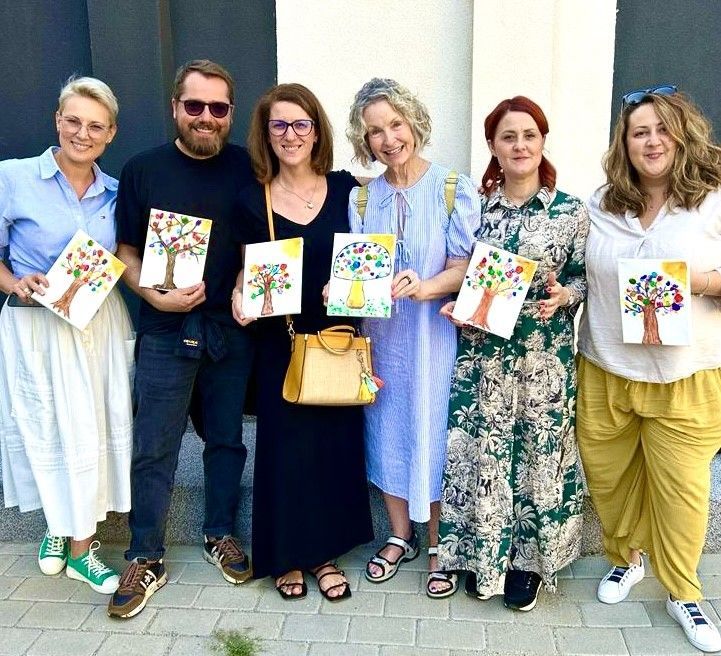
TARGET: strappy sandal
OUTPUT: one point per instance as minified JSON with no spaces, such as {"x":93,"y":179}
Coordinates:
{"x":439,"y":576}
{"x":390,"y":568}
{"x":289,"y":596}
{"x":333,"y":570}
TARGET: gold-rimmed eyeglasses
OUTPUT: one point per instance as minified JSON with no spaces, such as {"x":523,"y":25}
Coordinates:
{"x":72,"y":125}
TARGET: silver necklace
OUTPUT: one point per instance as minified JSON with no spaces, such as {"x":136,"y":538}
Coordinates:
{"x":308,"y":201}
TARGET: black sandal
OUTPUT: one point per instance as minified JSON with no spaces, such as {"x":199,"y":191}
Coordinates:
{"x":289,"y":596}
{"x":332,"y":571}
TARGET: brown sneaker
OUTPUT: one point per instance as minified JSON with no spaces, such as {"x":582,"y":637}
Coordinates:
{"x":228,"y":556}
{"x":141,"y":579}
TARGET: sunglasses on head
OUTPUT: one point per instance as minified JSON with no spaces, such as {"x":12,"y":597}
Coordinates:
{"x":636,"y":97}
{"x":197,"y":107}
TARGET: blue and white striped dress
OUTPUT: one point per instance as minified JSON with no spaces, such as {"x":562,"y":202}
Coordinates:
{"x":414,"y":351}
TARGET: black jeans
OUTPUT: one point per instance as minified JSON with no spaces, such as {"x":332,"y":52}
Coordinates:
{"x":164,"y":384}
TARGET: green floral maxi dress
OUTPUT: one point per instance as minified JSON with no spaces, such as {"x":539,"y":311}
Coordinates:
{"x":512,"y":484}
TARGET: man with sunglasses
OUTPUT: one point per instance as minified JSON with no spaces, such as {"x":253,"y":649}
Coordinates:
{"x":191,"y":348}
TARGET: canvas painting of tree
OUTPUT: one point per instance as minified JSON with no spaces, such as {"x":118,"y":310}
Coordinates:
{"x":361,"y":275}
{"x":80,"y":280}
{"x":272,"y":278}
{"x":493,"y":289}
{"x":176,"y":246}
{"x":655,"y":301}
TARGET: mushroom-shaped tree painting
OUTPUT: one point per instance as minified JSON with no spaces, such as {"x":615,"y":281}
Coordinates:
{"x":84,"y":264}
{"x":494,"y":275}
{"x":362,"y":261}
{"x":175,"y":250}
{"x":650,"y":290}
{"x":272,"y":277}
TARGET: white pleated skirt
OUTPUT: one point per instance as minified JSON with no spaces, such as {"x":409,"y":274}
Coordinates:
{"x":66,"y":415}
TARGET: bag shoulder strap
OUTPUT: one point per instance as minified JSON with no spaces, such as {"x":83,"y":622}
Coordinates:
{"x":449,"y":190}
{"x":271,"y":230}
{"x":362,"y":200}
{"x":269,"y":212}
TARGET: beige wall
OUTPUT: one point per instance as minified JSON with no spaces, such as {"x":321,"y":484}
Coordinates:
{"x":333,"y":47}
{"x":462,"y":57}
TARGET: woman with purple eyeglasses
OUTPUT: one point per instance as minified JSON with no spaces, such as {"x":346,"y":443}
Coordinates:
{"x":648,"y":423}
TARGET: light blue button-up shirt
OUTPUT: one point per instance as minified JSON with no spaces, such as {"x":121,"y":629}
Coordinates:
{"x":40,"y":211}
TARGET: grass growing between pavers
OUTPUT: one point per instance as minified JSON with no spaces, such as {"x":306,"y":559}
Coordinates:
{"x":234,"y":643}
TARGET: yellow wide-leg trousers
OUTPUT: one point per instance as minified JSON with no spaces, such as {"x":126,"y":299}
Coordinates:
{"x":646,"y":450}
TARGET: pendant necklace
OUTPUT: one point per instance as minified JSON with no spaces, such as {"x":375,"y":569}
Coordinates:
{"x":308,"y":201}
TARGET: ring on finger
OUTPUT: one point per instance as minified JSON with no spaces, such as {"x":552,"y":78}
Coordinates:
{"x":26,"y":290}
{"x":408,"y":278}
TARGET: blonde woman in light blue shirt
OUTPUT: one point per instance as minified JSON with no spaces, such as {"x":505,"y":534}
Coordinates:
{"x":65,"y":396}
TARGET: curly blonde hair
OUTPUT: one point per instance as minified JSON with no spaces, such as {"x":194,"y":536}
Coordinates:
{"x":696,"y":168}
{"x":412,"y":110}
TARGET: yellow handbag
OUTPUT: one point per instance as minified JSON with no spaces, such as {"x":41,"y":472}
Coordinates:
{"x":330,"y":367}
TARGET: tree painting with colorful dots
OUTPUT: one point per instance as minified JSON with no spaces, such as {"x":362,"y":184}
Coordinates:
{"x":267,"y":280}
{"x":273,"y":278}
{"x":360,"y":262}
{"x":494,"y":289}
{"x":497,"y":274}
{"x":654,"y":293}
{"x":86,"y":265}
{"x":177,"y":239}
{"x":80,"y":279}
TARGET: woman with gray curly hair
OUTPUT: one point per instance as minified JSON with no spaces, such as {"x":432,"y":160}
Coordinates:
{"x":434,"y":214}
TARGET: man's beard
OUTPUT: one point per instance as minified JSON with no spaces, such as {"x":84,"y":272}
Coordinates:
{"x":203,"y":146}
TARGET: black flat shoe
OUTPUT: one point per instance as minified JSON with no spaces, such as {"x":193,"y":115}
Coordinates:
{"x":520,"y":591}
{"x":470,"y":587}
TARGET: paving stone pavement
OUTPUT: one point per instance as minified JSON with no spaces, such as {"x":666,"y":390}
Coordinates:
{"x":54,"y":616}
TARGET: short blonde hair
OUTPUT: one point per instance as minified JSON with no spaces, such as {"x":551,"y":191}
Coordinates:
{"x":696,"y":167}
{"x":401,"y":100}
{"x":90,"y":87}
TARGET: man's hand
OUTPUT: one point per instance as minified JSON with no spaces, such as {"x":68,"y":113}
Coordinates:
{"x":175,"y":300}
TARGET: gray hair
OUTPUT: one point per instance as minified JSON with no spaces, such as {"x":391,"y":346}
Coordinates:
{"x":90,"y":87}
{"x":401,"y":100}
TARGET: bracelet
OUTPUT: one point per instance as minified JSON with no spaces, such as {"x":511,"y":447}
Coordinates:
{"x":706,"y":286}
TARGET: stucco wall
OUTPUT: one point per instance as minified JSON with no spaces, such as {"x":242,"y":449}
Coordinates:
{"x":334,"y":47}
{"x":462,"y":57}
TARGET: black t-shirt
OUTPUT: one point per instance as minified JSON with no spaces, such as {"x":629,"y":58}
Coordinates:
{"x":166,"y":179}
{"x":317,"y":246}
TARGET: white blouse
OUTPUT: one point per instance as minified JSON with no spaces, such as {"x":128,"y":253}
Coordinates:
{"x":694,"y":236}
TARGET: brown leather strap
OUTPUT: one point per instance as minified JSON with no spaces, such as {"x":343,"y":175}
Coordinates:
{"x":271,"y":231}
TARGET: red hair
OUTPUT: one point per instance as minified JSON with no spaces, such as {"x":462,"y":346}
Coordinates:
{"x":494,"y":175}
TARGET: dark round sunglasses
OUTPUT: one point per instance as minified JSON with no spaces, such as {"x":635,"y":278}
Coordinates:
{"x":636,"y":96}
{"x":197,"y":107}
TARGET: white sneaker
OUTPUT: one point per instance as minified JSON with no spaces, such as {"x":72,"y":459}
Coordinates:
{"x":699,"y":630}
{"x":616,"y":585}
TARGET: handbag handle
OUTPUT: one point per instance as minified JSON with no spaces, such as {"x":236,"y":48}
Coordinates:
{"x":348,"y":330}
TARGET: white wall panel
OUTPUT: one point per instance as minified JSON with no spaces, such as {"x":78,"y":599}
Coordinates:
{"x":334,"y":47}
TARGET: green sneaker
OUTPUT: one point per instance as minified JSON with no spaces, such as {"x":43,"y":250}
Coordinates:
{"x":93,"y":571}
{"x":53,"y":554}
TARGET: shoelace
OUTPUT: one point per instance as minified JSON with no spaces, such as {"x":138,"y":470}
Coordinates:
{"x":94,"y":564}
{"x":229,"y":548}
{"x":694,"y":613}
{"x":618,"y":574}
{"x":131,"y":576}
{"x":56,"y":545}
